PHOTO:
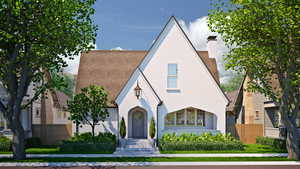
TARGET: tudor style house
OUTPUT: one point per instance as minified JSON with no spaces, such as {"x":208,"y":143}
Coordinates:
{"x":171,"y":82}
{"x":252,"y":108}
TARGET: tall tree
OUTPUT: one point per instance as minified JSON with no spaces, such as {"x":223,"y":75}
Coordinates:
{"x":89,"y":107}
{"x":35,"y":36}
{"x":233,"y":83}
{"x":266,"y":36}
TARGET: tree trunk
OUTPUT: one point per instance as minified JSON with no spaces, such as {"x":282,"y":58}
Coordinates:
{"x":292,"y":143}
{"x":93,"y":131}
{"x":77,"y":129}
{"x":18,"y":143}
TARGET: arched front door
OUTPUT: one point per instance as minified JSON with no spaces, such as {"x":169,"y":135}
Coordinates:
{"x":138,"y":124}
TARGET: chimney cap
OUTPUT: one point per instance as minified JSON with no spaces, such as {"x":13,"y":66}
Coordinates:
{"x":209,"y":38}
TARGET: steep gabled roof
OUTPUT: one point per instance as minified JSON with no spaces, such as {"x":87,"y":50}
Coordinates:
{"x":111,"y":69}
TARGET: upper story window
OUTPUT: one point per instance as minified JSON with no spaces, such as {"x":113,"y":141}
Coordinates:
{"x":172,"y":76}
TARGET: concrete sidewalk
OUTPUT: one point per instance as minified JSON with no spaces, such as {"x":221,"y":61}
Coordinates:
{"x":72,"y":164}
{"x":150,"y":155}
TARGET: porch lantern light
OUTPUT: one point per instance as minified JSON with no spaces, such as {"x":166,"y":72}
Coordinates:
{"x":137,"y":90}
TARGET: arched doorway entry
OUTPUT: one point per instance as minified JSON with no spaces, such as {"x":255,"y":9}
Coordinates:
{"x":137,"y":123}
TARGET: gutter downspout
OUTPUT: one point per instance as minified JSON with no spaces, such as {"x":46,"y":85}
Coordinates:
{"x":159,"y":104}
{"x":118,"y":124}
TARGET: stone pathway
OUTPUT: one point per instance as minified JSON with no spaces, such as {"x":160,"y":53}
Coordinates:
{"x":140,"y":147}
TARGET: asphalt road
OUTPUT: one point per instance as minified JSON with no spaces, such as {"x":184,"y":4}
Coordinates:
{"x":165,"y":167}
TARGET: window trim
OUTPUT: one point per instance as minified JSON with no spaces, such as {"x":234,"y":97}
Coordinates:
{"x":176,"y":76}
{"x":174,"y":120}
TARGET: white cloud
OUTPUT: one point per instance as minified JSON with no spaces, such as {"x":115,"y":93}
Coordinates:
{"x":198,"y":32}
{"x":117,"y":48}
{"x":73,"y":64}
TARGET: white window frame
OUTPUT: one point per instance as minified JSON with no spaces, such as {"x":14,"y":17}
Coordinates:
{"x":176,"y":76}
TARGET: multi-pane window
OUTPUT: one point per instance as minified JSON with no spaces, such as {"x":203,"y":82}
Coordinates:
{"x":169,"y":120}
{"x":172,"y":76}
{"x":190,"y":117}
{"x":200,"y":118}
{"x":185,"y":117}
{"x":180,"y":118}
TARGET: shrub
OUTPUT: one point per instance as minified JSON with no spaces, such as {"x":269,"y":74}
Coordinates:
{"x":152,"y":128}
{"x":274,"y":142}
{"x":5,"y":143}
{"x":122,"y":128}
{"x":79,"y":147}
{"x":103,"y":142}
{"x":193,"y":142}
{"x":88,"y":138}
{"x":33,"y":142}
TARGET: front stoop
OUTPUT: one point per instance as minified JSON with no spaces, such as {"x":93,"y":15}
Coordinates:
{"x":137,"y":147}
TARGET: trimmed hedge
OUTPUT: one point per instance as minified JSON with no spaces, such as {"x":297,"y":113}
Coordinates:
{"x":274,"y":142}
{"x":5,"y":143}
{"x":87,"y":147}
{"x":33,"y":142}
{"x":103,"y":142}
{"x":88,"y":137}
{"x":192,"y":142}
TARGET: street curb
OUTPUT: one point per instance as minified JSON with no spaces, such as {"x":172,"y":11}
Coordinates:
{"x":148,"y":155}
{"x":72,"y":164}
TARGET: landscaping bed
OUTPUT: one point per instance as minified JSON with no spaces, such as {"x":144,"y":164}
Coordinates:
{"x":248,"y":148}
{"x":204,"y":142}
{"x":103,"y":142}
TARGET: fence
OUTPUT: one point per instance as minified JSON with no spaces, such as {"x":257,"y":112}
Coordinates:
{"x":52,"y":134}
{"x":247,"y":133}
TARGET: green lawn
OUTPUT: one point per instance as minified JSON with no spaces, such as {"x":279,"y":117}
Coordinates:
{"x":148,"y":159}
{"x":249,"y":148}
{"x":55,"y":150}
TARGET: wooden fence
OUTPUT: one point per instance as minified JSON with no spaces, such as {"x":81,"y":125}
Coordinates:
{"x":247,"y":133}
{"x":52,"y":134}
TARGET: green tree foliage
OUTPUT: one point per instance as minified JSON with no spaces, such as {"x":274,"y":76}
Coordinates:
{"x":233,"y":83}
{"x":152,"y":128}
{"x":89,"y":107}
{"x":122,"y":128}
{"x":266,"y":36}
{"x":35,"y":36}
{"x":66,"y":83}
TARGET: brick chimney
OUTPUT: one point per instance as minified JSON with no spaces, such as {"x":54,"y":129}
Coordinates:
{"x":212,"y":46}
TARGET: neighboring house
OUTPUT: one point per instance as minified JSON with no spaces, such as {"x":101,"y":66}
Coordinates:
{"x":50,"y":117}
{"x":45,"y":118}
{"x":25,"y":115}
{"x":171,"y":82}
{"x":254,"y":108}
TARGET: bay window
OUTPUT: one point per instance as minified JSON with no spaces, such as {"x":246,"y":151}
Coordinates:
{"x":186,"y":117}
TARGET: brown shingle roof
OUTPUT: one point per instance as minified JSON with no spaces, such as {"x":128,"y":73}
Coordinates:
{"x":232,"y":96}
{"x":111,"y":69}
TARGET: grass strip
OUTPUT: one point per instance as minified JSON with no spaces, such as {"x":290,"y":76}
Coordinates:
{"x":56,"y":150}
{"x":147,"y":159}
{"x":249,"y":148}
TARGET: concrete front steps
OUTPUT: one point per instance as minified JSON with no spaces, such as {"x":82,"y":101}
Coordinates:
{"x":136,"y":147}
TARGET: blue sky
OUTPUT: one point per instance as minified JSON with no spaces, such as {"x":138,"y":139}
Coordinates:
{"x":134,"y":24}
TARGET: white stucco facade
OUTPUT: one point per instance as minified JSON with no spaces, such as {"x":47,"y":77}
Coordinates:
{"x":196,"y":88}
{"x":109,"y":125}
